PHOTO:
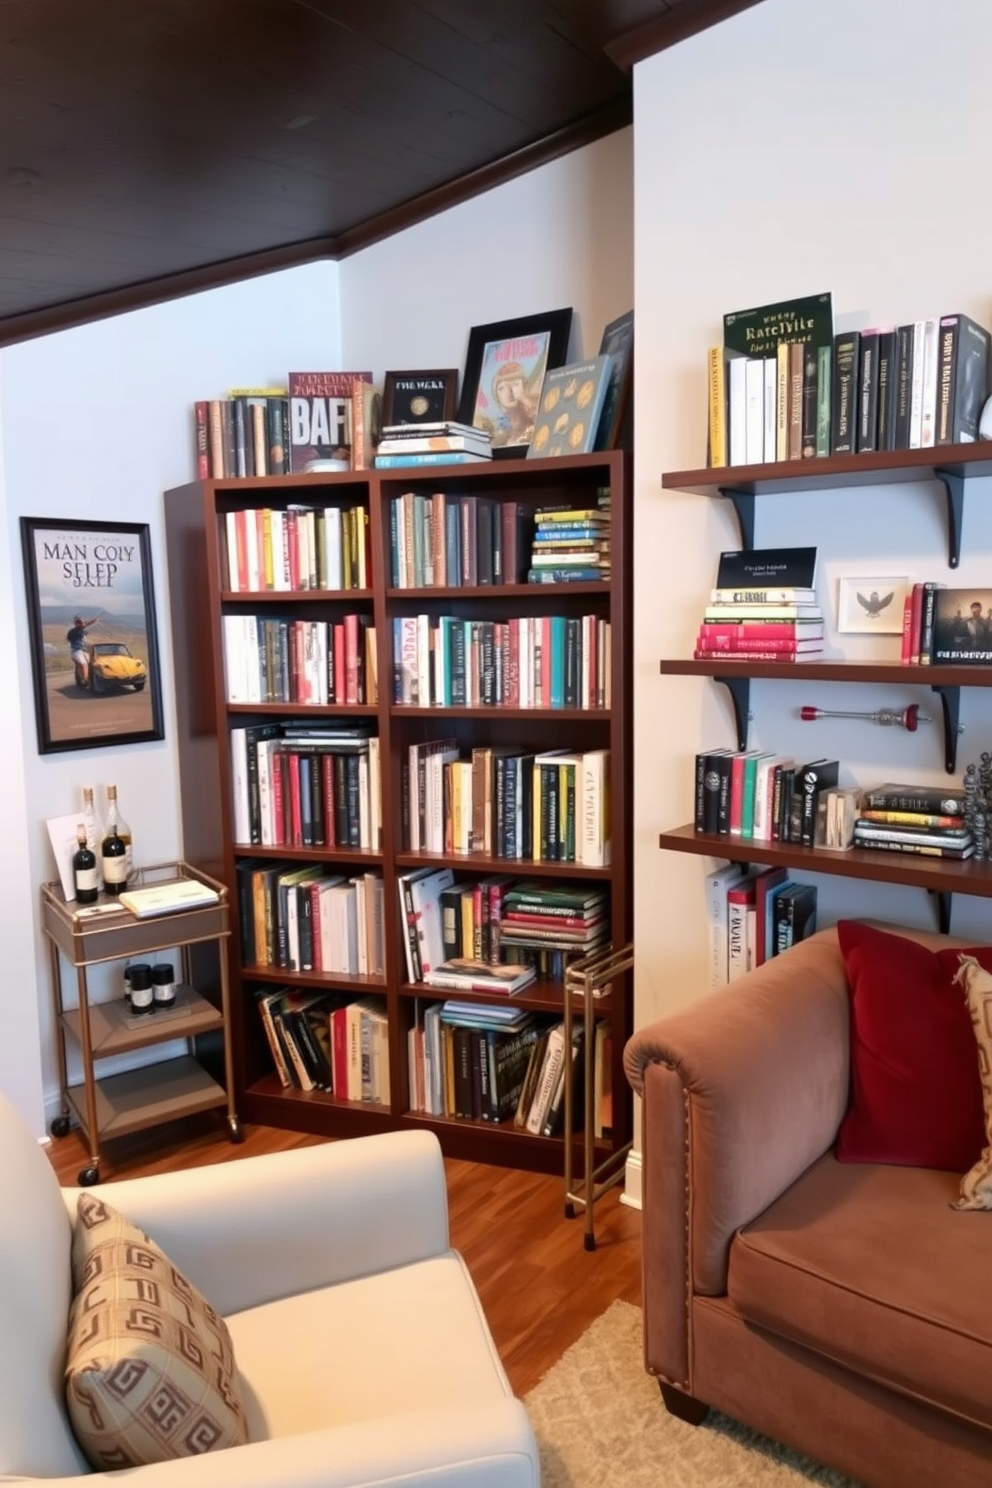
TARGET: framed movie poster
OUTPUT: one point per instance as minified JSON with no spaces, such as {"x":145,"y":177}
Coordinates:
{"x":504,"y":372}
{"x":91,"y":618}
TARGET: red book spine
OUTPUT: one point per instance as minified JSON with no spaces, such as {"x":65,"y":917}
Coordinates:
{"x":736,"y":794}
{"x":718,"y":645}
{"x":339,"y":1052}
{"x":785,"y":656}
{"x":351,"y":658}
{"x":756,"y":629}
{"x":277,"y":785}
{"x":545,"y":625}
{"x":293,"y":550}
{"x":906,"y":650}
{"x":330,"y":813}
{"x":340,"y":685}
{"x":241,"y":535}
{"x":317,"y":958}
{"x":916,"y":624}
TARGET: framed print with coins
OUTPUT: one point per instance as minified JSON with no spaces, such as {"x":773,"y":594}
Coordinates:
{"x":419,"y":397}
{"x":504,"y":373}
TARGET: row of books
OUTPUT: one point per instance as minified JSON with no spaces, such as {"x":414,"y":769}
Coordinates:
{"x":295,"y":548}
{"x":306,"y":785}
{"x":528,"y":661}
{"x":319,"y":1042}
{"x":784,"y":386}
{"x":758,"y":794}
{"x":319,"y":420}
{"x":552,"y":807}
{"x":310,"y":918}
{"x":445,"y":442}
{"x":754,"y":915}
{"x":458,"y":934}
{"x":272,"y":659}
{"x":947,"y":625}
{"x":448,"y":541}
{"x":464,"y":1064}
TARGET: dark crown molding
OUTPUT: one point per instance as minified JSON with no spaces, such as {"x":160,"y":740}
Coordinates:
{"x":658,"y":35}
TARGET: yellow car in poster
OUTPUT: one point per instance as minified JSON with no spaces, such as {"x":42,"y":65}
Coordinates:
{"x":111,"y":665}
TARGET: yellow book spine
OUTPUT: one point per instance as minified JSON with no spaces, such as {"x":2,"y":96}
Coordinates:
{"x":717,"y":385}
{"x":270,"y":576}
{"x":782,"y":403}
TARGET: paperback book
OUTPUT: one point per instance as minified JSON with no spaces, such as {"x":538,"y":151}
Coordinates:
{"x":320,"y":419}
{"x":570,"y":407}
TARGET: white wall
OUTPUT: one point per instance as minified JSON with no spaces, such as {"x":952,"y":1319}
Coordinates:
{"x":558,"y":236}
{"x":96,"y":423}
{"x":802,"y":146}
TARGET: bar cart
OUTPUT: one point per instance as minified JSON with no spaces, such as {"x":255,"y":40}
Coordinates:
{"x":115,"y":1105}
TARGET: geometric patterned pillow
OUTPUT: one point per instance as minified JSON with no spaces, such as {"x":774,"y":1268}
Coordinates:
{"x":976,"y":1185}
{"x":150,"y":1372}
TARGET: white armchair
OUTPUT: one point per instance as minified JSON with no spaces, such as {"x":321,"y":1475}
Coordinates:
{"x":362,"y":1348}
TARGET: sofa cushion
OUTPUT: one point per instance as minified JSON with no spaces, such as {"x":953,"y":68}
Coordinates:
{"x":915,"y":1094}
{"x":976,"y":1185}
{"x":150,"y":1371}
{"x":871,"y":1266}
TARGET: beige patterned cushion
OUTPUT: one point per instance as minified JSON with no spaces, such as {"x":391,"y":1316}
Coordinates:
{"x":976,"y":1185}
{"x":150,"y":1372}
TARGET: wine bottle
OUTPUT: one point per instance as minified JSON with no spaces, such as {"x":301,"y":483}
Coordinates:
{"x":94,"y":830}
{"x":117,"y":822}
{"x":84,"y":875}
{"x":113,"y":852}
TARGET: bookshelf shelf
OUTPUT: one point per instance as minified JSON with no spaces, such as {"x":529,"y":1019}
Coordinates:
{"x":196,"y":518}
{"x":541,"y":997}
{"x":950,"y":466}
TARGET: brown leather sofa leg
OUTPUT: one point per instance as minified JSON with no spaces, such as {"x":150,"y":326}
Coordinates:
{"x":685,"y":1407}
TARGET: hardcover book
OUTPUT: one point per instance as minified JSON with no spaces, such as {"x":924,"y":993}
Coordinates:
{"x":962,"y":378}
{"x":759,"y":331}
{"x":320,"y":417}
{"x":570,"y":407}
{"x":766,"y":568}
{"x":962,"y":626}
{"x":615,"y":424}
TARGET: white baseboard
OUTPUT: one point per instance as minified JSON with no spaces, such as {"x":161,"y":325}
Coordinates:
{"x":631,"y":1195}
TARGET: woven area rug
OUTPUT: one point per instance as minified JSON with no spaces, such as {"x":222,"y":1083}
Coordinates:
{"x":600,"y":1422}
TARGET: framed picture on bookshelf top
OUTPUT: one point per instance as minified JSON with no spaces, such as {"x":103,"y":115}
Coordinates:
{"x":91,"y":625}
{"x":871,"y":604}
{"x":419,"y":397}
{"x":504,"y":372}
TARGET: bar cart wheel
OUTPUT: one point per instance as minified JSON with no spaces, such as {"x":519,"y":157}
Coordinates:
{"x":60,"y":1126}
{"x":89,"y":1176}
{"x":236,"y":1129}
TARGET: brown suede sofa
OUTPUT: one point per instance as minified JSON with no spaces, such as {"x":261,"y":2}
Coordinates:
{"x":842,"y":1308}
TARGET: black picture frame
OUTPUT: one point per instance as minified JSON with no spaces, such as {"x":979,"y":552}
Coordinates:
{"x":616,"y":421}
{"x":102,"y":573}
{"x":500,"y":345}
{"x":429,"y":397}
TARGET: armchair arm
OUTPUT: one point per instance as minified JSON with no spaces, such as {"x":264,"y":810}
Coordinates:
{"x":742,"y":1091}
{"x":251,"y":1231}
{"x":491,"y":1446}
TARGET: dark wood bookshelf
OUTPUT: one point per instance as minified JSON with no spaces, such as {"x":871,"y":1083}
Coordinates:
{"x":949,"y":465}
{"x":539,"y":997}
{"x":194,"y":518}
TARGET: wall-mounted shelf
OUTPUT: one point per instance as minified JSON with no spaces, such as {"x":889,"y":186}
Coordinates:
{"x":949,"y":465}
{"x":736,"y":676}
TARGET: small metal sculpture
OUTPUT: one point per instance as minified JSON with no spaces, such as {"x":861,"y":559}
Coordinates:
{"x":908,"y":718}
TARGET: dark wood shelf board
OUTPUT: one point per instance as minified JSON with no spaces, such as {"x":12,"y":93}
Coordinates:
{"x":357,"y":856}
{"x":502,"y":591}
{"x":497,"y":710}
{"x":308,"y":710}
{"x":294,"y":596}
{"x":539,"y":997}
{"x":942,"y":875}
{"x":480,"y":863}
{"x":879,"y":467}
{"x":334,"y":981}
{"x":833,"y":671}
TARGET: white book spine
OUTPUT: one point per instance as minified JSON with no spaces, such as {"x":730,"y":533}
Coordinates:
{"x":754,"y":420}
{"x":364,"y":815}
{"x":916,"y":387}
{"x":737,"y":382}
{"x":554,"y":1058}
{"x":251,"y":550}
{"x":737,"y":957}
{"x":236,"y":683}
{"x":239,"y":784}
{"x":375,"y":798}
{"x":332,"y":542}
{"x":253,"y":669}
{"x":928,"y":421}
{"x":231,"y":524}
{"x":717,"y":884}
{"x":771,"y":410}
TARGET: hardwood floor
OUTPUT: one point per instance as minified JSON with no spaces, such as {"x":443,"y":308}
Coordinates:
{"x":539,"y":1286}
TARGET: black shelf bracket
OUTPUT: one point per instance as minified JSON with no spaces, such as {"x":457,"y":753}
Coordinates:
{"x":950,"y":702}
{"x":954,"y":491}
{"x":740,"y":696}
{"x":743,"y":504}
{"x":942,"y":899}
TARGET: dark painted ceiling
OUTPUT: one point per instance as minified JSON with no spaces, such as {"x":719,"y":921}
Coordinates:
{"x":152,"y":147}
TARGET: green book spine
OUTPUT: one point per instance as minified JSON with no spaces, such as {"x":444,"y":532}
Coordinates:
{"x":824,"y":366}
{"x":747,"y":800}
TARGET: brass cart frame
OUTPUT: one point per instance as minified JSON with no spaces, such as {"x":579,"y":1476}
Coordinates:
{"x":107,"y":1107}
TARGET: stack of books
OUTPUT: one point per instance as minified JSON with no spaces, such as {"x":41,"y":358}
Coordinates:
{"x":443,"y":443}
{"x":566,"y":921}
{"x":763,"y":608}
{"x":571,"y":544}
{"x":927,"y":820}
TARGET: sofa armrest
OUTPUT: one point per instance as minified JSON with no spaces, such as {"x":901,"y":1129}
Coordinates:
{"x":742,"y":1090}
{"x":261,"y":1228}
{"x":490,"y":1446}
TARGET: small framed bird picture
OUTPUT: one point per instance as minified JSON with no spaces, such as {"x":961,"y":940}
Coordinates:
{"x":872,"y":604}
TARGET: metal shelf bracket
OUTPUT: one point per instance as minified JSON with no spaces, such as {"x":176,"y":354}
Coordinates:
{"x":740,"y":696}
{"x":954,"y":491}
{"x":942,"y":900}
{"x":950,"y":702}
{"x":743,"y":504}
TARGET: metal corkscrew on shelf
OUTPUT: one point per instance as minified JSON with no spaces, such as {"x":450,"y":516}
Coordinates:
{"x":908,"y":718}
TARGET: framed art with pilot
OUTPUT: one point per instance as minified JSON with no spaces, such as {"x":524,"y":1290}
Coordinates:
{"x":91,"y":624}
{"x":504,"y":371}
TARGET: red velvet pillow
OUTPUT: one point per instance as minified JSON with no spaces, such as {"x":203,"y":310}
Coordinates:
{"x":916,"y":1092}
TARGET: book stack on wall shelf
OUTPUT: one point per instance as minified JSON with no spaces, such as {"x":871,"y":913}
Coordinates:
{"x":411,"y":765}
